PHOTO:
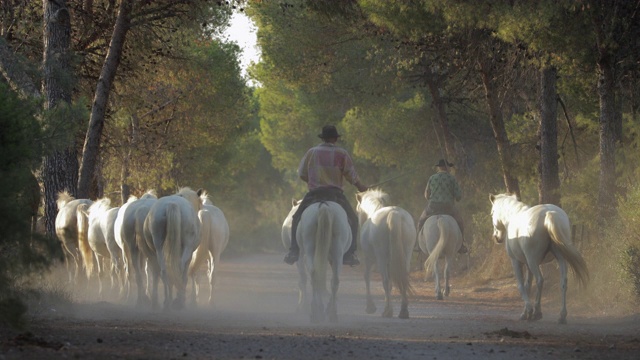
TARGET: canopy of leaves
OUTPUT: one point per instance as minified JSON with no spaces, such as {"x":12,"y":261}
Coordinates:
{"x":20,"y":153}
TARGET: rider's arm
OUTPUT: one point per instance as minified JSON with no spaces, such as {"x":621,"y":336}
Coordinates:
{"x":361,"y":187}
{"x":427,"y":190}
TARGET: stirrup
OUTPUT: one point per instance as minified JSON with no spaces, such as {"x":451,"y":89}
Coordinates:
{"x":350,"y":259}
{"x":463,"y":249}
{"x":291,"y":257}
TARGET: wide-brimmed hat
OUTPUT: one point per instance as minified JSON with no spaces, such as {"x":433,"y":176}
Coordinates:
{"x":329,"y":131}
{"x":443,"y":163}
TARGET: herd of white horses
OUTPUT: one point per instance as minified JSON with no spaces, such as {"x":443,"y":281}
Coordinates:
{"x":174,"y":237}
{"x":148,"y":238}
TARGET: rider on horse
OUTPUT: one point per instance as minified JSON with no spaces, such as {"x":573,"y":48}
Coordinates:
{"x":442,"y":192}
{"x":323,"y":168}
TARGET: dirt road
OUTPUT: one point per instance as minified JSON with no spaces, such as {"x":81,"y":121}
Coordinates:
{"x":255,"y":318}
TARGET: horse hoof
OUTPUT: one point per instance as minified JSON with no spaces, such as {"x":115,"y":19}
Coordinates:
{"x":404,"y":314}
{"x":439,"y":297}
{"x":562,"y":321}
{"x":371,"y":309}
{"x":387,"y":314}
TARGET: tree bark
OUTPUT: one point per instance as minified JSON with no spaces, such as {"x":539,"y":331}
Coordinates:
{"x":499,"y":131}
{"x":607,"y":186}
{"x":549,"y":185}
{"x":91,"y":147}
{"x":443,"y":120}
{"x":60,"y":168}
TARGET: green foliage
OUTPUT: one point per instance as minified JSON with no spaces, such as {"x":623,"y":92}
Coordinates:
{"x":20,"y":252}
{"x":62,"y":124}
{"x":176,"y":126}
{"x":631,"y":267}
{"x":627,"y":230}
{"x":385,"y":134}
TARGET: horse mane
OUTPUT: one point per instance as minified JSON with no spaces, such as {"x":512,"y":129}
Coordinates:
{"x":372,"y":200}
{"x":99,"y":207}
{"x":508,"y":200}
{"x":191,"y":196}
{"x":63,"y":198}
{"x":132,"y":198}
{"x":204,"y":197}
{"x":150,"y":194}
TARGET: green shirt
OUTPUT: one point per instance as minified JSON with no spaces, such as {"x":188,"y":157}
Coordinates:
{"x":443,"y":188}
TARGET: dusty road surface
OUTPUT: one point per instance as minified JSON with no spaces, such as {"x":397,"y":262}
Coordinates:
{"x":255,"y":318}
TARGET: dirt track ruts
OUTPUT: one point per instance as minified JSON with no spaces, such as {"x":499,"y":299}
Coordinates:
{"x":255,"y":318}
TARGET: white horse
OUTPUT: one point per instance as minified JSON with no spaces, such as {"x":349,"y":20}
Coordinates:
{"x":128,"y":231}
{"x":535,"y":235}
{"x":89,"y":231}
{"x":440,"y":237}
{"x":387,"y":238}
{"x":214,"y":237}
{"x":98,"y":227}
{"x":324,"y":236}
{"x":172,"y":228}
{"x":303,"y":304}
{"x":67,"y":232}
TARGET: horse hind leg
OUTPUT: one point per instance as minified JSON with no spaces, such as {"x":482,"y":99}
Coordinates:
{"x":447,"y":271}
{"x":303,"y":302}
{"x":537,"y":309}
{"x":436,"y":277}
{"x":386,"y":283}
{"x":332,"y":307}
{"x":562,"y":264}
{"x":528,"y":309}
{"x":371,"y":306}
{"x":404,"y":307}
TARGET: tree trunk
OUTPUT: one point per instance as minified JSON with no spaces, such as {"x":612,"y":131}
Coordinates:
{"x":60,"y":168}
{"x":443,"y":120}
{"x":499,"y":131}
{"x":607,"y":186}
{"x":549,"y":185}
{"x":100,"y":102}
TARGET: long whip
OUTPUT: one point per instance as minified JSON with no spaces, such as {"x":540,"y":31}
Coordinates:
{"x":393,"y":178}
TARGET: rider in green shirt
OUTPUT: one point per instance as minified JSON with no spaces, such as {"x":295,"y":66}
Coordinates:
{"x":442,"y":192}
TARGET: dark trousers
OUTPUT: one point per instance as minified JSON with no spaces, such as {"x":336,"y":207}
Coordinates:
{"x":434,"y":208}
{"x":326,"y":194}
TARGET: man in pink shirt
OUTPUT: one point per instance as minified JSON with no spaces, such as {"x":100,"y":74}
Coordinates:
{"x":323,"y":167}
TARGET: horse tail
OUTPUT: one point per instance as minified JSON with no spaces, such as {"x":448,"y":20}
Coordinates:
{"x":396,"y":223}
{"x":557,"y":225}
{"x":324,"y":231}
{"x":172,"y":246}
{"x":430,"y":263}
{"x":138,"y":226}
{"x":63,"y":198}
{"x":206,"y":242}
{"x":83,"y":238}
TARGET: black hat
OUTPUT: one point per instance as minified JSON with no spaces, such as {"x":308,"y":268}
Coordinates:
{"x":329,"y":131}
{"x":443,"y":163}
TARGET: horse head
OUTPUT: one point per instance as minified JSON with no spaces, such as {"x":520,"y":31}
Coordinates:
{"x":499,"y":228}
{"x":371,"y":200}
{"x":192,"y":196}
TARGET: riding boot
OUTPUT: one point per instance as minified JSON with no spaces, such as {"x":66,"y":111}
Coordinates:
{"x":350,"y":258}
{"x":294,"y":248}
{"x":463,"y":249}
